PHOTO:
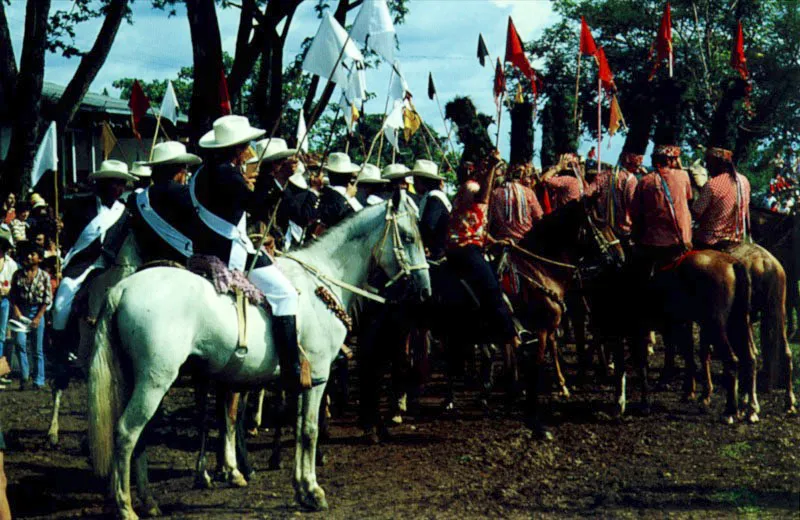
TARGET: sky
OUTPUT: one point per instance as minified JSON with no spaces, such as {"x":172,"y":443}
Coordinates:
{"x":438,"y":36}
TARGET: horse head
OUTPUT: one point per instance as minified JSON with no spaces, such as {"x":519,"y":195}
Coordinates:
{"x":599,"y":239}
{"x":400,"y":253}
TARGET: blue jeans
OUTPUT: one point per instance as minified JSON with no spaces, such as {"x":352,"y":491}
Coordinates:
{"x":5,"y":305}
{"x":21,"y":340}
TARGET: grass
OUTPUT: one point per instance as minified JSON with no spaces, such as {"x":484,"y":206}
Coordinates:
{"x":735,"y":451}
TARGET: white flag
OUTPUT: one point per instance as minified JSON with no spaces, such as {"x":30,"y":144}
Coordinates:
{"x":356,"y":89}
{"x":398,"y":87}
{"x":301,"y":131}
{"x":373,"y":27}
{"x":169,"y":105}
{"x":46,"y":156}
{"x":393,"y":124}
{"x":325,"y":50}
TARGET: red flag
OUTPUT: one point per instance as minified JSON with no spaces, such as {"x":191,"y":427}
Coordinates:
{"x":662,"y":47}
{"x":588,"y":47}
{"x":738,"y":60}
{"x":515,"y":54}
{"x":224,"y":98}
{"x":604,"y":71}
{"x":139,"y":105}
{"x":499,"y":83}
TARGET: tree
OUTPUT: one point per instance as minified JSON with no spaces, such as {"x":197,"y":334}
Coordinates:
{"x":45,"y":33}
{"x":702,"y":41}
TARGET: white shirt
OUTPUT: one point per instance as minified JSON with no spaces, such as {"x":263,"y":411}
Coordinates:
{"x":6,"y":273}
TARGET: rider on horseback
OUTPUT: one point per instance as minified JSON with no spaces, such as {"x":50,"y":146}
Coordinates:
{"x":338,"y":200}
{"x":162,"y":214}
{"x":221,"y":197}
{"x":722,"y":210}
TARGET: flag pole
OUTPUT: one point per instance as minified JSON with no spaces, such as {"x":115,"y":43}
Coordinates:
{"x":380,"y":150}
{"x":394,"y":150}
{"x":58,"y":232}
{"x":499,"y":119}
{"x":410,"y":102}
{"x":155,"y":135}
{"x":670,"y":59}
{"x":444,"y":121}
{"x":599,"y":122}
{"x":577,"y":84}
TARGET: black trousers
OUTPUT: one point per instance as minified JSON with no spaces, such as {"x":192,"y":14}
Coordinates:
{"x":468,"y":263}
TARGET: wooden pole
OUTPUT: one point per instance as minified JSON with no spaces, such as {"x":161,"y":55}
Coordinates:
{"x":670,"y":59}
{"x":499,"y":119}
{"x":55,"y":208}
{"x":599,"y":122}
{"x":155,"y":135}
{"x":380,"y":150}
{"x":444,"y":121}
{"x":577,"y":85}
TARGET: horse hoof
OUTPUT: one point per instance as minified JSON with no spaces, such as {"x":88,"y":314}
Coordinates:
{"x":370,"y":438}
{"x":565,"y":392}
{"x":619,"y":411}
{"x":203,"y":481}
{"x":313,"y":501}
{"x":52,"y":439}
{"x":237,"y":480}
{"x":252,"y":433}
{"x":152,"y":511}
{"x":322,"y":459}
{"x":728,"y":419}
{"x":397,"y":419}
{"x":791,"y":410}
{"x":752,"y":418}
{"x":688,"y":397}
{"x":274,"y":464}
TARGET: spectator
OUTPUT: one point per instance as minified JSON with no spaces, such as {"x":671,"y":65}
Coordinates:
{"x":19,"y":226}
{"x":9,"y":208}
{"x":31,"y":294}
{"x":7,"y":269}
{"x":40,"y":211}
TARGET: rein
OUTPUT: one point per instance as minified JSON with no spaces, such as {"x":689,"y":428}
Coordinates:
{"x":333,"y":281}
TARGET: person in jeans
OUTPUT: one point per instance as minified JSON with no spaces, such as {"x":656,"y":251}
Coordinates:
{"x":7,"y":269}
{"x":31,"y":294}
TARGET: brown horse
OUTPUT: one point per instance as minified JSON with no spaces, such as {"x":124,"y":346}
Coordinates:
{"x":767,"y":305}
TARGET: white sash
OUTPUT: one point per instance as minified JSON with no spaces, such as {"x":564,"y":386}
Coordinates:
{"x":106,"y":217}
{"x":439,"y":194}
{"x":240,"y":242}
{"x":374,"y":200}
{"x":341,"y":190}
{"x":294,"y":234}
{"x":180,"y":242}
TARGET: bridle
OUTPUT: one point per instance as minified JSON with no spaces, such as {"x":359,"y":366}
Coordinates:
{"x":391,"y":231}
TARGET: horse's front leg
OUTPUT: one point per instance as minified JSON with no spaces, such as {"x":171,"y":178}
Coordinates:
{"x":229,"y":465}
{"x":202,"y":480}
{"x":275,"y":455}
{"x":749,"y":376}
{"x":52,"y":433}
{"x":620,"y":378}
{"x":307,"y":492}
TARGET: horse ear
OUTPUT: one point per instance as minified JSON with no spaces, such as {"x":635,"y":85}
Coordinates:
{"x":397,"y":198}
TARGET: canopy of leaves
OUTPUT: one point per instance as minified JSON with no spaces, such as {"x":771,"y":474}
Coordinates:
{"x":63,"y":22}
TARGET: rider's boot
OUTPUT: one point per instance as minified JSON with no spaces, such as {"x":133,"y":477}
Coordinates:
{"x":284,"y":330}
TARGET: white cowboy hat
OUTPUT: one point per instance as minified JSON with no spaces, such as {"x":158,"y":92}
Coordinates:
{"x":339,"y":162}
{"x":112,"y":169}
{"x":276,"y":149}
{"x":371,"y":174}
{"x":141,"y":170}
{"x":171,"y":152}
{"x":37,"y":201}
{"x":298,"y":179}
{"x":230,"y":131}
{"x":394,"y":171}
{"x":426,"y":169}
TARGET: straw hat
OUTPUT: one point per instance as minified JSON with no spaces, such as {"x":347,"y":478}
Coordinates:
{"x":36,"y":200}
{"x":112,"y":169}
{"x":230,"y":131}
{"x":272,"y":150}
{"x":298,"y":179}
{"x":371,"y":174}
{"x":170,"y":152}
{"x":426,"y":169}
{"x":394,"y":171}
{"x":339,"y":163}
{"x":140,"y":170}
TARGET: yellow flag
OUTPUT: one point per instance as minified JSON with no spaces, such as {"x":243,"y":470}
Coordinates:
{"x":615,"y":118}
{"x":250,"y":153}
{"x":518,"y":98}
{"x":108,"y":139}
{"x":356,"y":114}
{"x":411,"y":123}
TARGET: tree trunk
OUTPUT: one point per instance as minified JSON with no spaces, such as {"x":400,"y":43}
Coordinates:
{"x":25,"y":114}
{"x":90,"y":64}
{"x":8,"y":65}
{"x":207,"y":57}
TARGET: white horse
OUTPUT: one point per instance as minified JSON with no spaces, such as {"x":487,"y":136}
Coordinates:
{"x":154,"y":320}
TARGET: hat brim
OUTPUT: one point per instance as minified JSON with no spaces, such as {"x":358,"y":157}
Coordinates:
{"x":393,"y":176}
{"x":298,"y":180}
{"x":101,"y":175}
{"x":373,"y":181}
{"x":209,"y":141}
{"x":348,"y":171}
{"x":184,"y":158}
{"x":425,"y":175}
{"x":274,"y":157}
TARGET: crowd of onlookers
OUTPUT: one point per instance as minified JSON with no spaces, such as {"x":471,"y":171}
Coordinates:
{"x":28,"y":281}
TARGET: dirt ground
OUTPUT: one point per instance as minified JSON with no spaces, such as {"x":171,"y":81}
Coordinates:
{"x":678,"y":462}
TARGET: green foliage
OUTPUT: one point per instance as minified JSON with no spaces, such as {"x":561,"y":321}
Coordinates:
{"x":63,"y":22}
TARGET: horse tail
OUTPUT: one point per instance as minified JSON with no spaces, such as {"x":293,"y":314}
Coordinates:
{"x":105,"y":387}
{"x":739,"y":319}
{"x":774,"y":343}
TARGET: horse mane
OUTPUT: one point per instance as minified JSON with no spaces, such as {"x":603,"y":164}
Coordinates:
{"x":353,"y":227}
{"x":552,"y":232}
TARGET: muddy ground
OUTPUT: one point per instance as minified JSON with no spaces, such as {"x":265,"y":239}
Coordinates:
{"x":679,"y":462}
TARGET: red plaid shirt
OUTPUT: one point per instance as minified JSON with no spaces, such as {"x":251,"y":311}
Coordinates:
{"x":508,"y":217}
{"x":563,"y":189}
{"x":651,"y":215}
{"x":716,"y":212}
{"x":624,"y":188}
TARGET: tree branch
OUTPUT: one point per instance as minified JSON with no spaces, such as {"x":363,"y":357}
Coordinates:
{"x":91,"y":63}
{"x":8,"y":65}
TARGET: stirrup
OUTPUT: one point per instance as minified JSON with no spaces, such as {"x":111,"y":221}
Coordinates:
{"x":240,"y":352}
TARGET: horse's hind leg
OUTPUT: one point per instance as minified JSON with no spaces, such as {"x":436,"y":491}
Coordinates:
{"x":142,"y":406}
{"x":142,"y":481}
{"x":202,"y":480}
{"x":307,"y":491}
{"x":275,"y":455}
{"x":257,"y":417}
{"x":52,"y":433}
{"x":705,"y":359}
{"x":620,"y":378}
{"x":685,"y":343}
{"x":229,"y":462}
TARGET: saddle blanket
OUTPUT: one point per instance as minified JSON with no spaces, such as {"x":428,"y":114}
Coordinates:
{"x":224,"y":280}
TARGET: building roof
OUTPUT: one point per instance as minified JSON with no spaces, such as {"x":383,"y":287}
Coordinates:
{"x":93,"y":102}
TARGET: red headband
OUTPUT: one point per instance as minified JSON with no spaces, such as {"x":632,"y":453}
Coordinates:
{"x":720,"y":153}
{"x":668,"y":150}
